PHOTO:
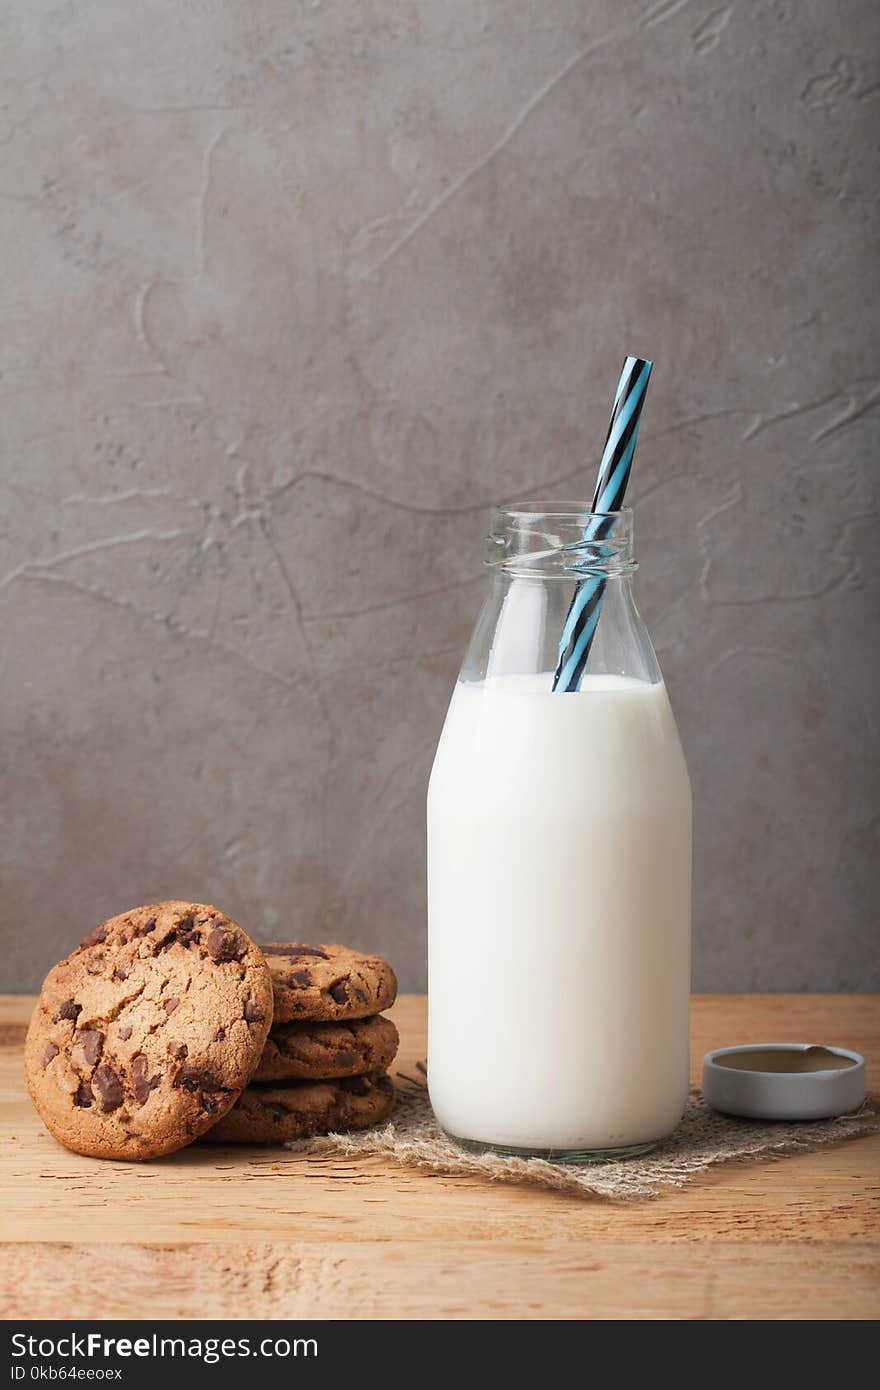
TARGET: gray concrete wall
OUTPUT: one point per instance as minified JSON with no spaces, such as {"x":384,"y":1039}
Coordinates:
{"x":292,"y":293}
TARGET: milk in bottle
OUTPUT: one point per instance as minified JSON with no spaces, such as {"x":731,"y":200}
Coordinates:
{"x":559,"y":869}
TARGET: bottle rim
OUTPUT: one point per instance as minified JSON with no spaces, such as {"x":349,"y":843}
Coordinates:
{"x":570,"y":510}
{"x":565,"y":540}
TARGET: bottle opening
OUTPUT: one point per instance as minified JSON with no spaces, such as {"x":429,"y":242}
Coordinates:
{"x":561,"y":539}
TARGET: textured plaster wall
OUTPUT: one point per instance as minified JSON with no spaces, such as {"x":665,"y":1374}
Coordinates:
{"x":292,"y":292}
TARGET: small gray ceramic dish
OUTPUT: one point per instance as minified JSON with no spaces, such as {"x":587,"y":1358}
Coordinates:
{"x":784,"y":1081}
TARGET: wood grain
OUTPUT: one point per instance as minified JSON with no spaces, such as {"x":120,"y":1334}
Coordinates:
{"x":240,"y":1233}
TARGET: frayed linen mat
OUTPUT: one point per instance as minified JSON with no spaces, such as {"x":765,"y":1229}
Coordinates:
{"x":703,"y":1138}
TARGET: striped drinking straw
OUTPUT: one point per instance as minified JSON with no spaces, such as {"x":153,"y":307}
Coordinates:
{"x":614,"y":470}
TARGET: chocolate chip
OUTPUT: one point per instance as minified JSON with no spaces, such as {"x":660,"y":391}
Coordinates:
{"x":339,"y":992}
{"x":92,"y":1043}
{"x":184,"y":933}
{"x":146,"y":927}
{"x":356,"y":1085}
{"x":169,"y":1005}
{"x":92,"y":937}
{"x":294,"y":950}
{"x":108,"y":1086}
{"x":69,"y":1009}
{"x":345,"y":1058}
{"x":83,"y":1097}
{"x":224,"y":943}
{"x":120,"y":972}
{"x":142,"y":1082}
{"x":251,"y":1012}
{"x":196,"y":1079}
{"x":220,"y":1035}
{"x":125,"y":1032}
{"x":51,"y":1051}
{"x":179,"y":1052}
{"x":139,"y":1078}
{"x":210,"y":1102}
{"x":300,"y":977}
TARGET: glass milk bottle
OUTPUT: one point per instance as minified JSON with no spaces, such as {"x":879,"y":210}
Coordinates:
{"x":559,"y":864}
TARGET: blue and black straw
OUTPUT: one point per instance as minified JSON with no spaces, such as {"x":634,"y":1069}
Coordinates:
{"x":614,"y":470}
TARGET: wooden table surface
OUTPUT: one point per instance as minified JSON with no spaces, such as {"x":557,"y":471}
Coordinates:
{"x":223,"y":1233}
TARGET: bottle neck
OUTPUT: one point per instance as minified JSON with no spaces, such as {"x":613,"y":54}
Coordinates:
{"x":544,"y":559}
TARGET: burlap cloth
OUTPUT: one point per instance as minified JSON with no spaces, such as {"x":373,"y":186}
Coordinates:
{"x":703,"y":1139}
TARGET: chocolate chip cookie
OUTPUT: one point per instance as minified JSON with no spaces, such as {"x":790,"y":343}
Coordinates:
{"x":317,"y":1051}
{"x":274,"y":1114}
{"x":148,"y":1033}
{"x":326,"y":984}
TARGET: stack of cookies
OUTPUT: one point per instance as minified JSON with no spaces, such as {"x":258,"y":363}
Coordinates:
{"x":169,"y":1024}
{"x":324,"y":1064}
